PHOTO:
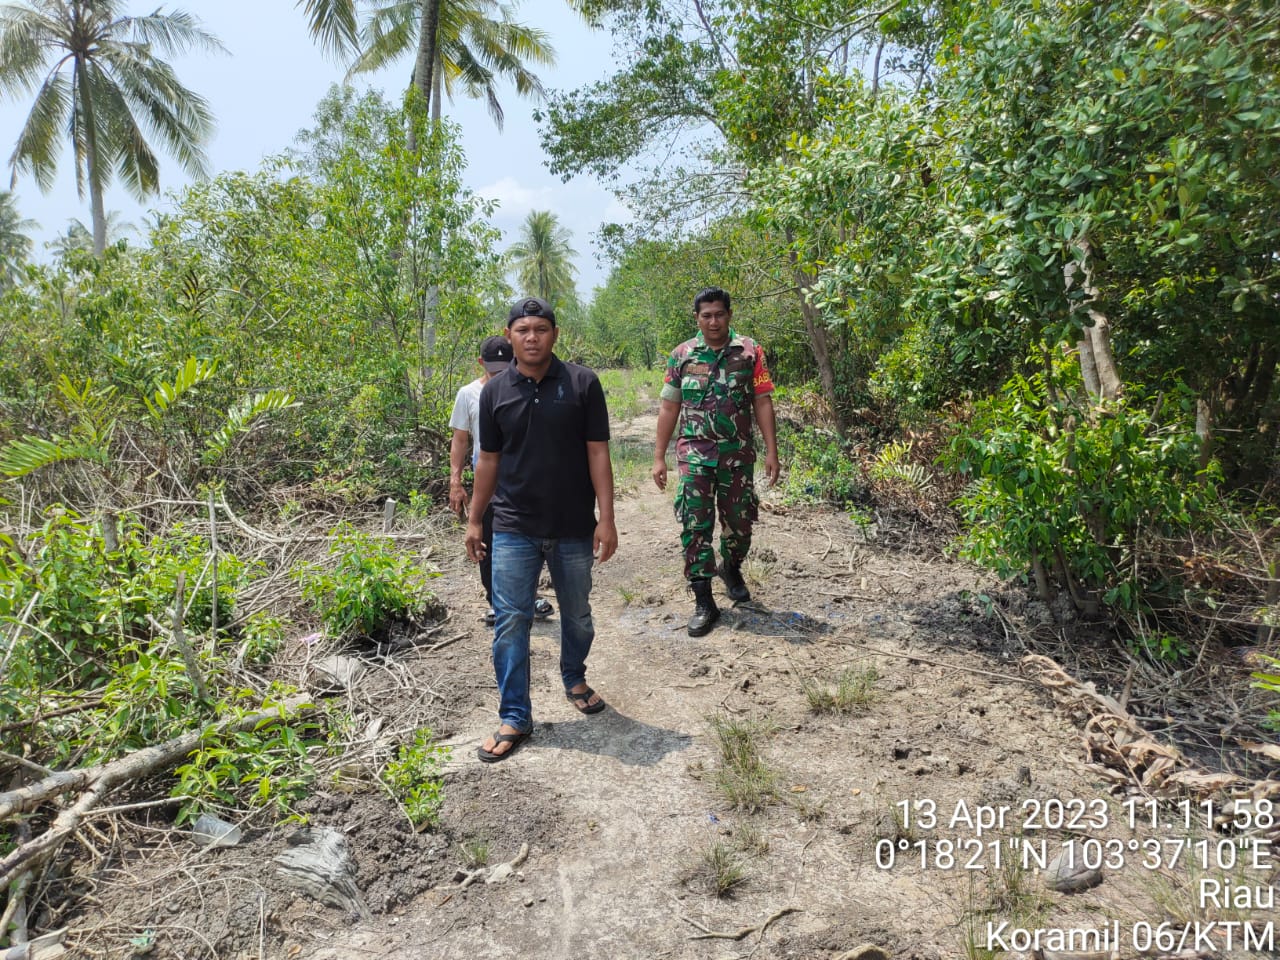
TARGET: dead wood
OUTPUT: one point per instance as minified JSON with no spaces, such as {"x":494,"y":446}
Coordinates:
{"x":318,"y":864}
{"x":98,"y":781}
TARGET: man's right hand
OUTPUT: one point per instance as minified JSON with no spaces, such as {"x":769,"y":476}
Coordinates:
{"x":660,"y":473}
{"x":476,"y":548}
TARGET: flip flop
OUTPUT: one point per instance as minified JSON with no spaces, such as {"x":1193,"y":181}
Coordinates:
{"x":515,"y":739}
{"x":585,"y":696}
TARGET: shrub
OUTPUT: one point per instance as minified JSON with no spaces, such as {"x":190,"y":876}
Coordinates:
{"x":1080,"y":495}
{"x":370,"y":585}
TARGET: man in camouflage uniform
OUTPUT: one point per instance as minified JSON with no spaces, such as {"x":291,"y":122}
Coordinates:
{"x":716,"y":385}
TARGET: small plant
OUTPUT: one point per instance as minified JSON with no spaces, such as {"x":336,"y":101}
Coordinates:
{"x":751,"y":840}
{"x":1011,"y":893}
{"x":718,"y":870}
{"x":414,"y":778}
{"x":820,"y":468}
{"x":853,"y":691}
{"x":746,"y":781}
{"x":476,"y":852}
{"x":260,"y":637}
{"x":269,"y":766}
{"x":893,"y":466}
{"x":370,"y":585}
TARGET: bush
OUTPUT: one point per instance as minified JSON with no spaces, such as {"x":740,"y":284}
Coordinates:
{"x":370,"y":585}
{"x":1080,"y":495}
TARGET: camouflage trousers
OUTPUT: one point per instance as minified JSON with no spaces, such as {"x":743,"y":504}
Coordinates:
{"x":730,"y":487}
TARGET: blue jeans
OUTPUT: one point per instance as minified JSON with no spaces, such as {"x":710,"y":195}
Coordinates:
{"x":517,"y":564}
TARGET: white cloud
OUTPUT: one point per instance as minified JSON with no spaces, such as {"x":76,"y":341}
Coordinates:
{"x":515,"y":200}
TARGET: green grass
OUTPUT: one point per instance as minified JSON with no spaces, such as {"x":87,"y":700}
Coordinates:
{"x":854,"y":691}
{"x":747,"y":782}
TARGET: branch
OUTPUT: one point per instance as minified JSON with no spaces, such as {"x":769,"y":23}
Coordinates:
{"x":98,"y":781}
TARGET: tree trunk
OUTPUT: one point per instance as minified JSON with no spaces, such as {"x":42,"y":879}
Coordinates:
{"x":1095,"y":348}
{"x":424,"y":69}
{"x":818,"y":343}
{"x":1204,"y":430}
{"x":92,"y":165}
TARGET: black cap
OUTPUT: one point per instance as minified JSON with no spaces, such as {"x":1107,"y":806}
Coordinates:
{"x":495,"y":354}
{"x":531,"y":307}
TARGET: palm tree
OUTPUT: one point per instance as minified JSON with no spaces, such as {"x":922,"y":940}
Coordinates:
{"x":15,"y":245}
{"x":97,"y":77}
{"x":543,"y":258}
{"x":80,"y":238}
{"x":332,"y":23}
{"x":477,"y":42}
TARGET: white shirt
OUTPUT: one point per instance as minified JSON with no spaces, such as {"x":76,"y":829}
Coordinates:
{"x":466,"y":414}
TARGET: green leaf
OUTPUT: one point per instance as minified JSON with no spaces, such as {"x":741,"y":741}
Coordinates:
{"x":193,"y":372}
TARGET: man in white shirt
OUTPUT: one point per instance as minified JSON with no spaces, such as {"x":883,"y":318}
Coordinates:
{"x":495,"y":356}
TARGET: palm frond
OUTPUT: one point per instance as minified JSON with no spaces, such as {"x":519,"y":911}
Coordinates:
{"x":173,"y":33}
{"x":193,"y":373}
{"x":36,"y":151}
{"x":29,"y":454}
{"x":241,"y":417}
{"x":332,"y":23}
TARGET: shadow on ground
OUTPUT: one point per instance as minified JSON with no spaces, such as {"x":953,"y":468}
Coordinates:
{"x":612,"y":734}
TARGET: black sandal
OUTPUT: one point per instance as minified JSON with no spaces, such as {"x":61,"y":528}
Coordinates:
{"x":515,"y":739}
{"x":585,"y":696}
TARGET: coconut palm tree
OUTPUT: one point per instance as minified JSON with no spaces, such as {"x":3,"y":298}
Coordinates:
{"x":98,"y":76}
{"x":543,"y":258}
{"x":332,"y":24}
{"x":477,"y":43}
{"x":15,"y":245}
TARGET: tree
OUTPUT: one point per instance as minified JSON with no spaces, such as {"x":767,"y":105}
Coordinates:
{"x":80,"y":238}
{"x":476,"y":43}
{"x":118,"y":91}
{"x":543,"y":258}
{"x":15,"y":245}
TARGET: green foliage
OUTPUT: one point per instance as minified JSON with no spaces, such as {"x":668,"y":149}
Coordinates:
{"x":260,"y":637}
{"x":1085,"y":490}
{"x":1269,"y":678}
{"x":366,"y":586}
{"x":893,"y":465}
{"x":415,"y":780}
{"x":267,"y":767}
{"x":820,"y":467}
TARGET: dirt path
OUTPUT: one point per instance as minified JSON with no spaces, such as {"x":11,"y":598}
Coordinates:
{"x":620,"y":809}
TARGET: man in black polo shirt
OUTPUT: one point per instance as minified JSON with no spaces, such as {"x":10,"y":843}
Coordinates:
{"x":544,"y":461}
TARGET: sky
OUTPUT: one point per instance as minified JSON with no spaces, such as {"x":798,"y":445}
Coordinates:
{"x":265,"y":88}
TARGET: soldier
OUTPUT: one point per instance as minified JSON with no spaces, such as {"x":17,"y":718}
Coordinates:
{"x":716,"y":384}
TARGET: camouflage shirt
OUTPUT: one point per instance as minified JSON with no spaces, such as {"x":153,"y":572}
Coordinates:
{"x":715,"y":390}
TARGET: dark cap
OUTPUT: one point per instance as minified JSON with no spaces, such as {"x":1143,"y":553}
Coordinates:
{"x":531,"y":307}
{"x":495,"y":354}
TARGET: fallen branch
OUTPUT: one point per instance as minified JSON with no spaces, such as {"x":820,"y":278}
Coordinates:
{"x":97,"y":781}
{"x":708,"y":934}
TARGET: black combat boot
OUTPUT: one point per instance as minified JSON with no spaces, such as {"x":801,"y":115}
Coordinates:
{"x":705,"y":613}
{"x":735,"y":586}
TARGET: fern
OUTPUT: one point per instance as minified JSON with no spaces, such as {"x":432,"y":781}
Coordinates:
{"x":892,"y":465}
{"x":240,"y":419}
{"x":193,"y":373}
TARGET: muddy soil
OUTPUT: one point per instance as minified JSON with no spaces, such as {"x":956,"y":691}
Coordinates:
{"x":627,"y":828}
